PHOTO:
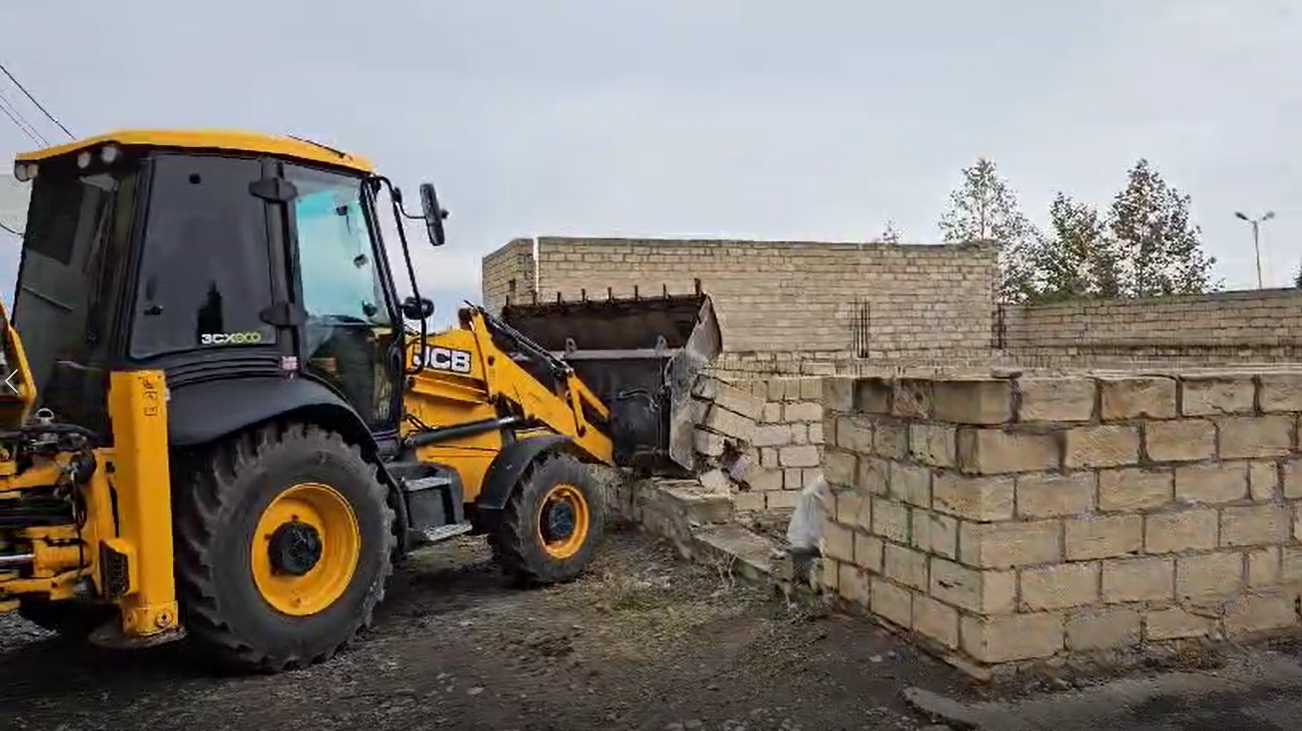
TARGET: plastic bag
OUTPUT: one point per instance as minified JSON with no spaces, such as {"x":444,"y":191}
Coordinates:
{"x":805,"y":530}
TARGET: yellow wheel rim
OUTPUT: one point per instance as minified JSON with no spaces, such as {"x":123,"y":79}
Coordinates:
{"x":305,"y":549}
{"x":563,"y":521}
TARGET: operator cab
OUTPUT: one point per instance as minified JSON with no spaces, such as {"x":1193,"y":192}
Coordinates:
{"x":210,"y":256}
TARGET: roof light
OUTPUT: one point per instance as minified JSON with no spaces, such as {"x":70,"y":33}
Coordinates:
{"x":83,"y":160}
{"x":110,"y":153}
{"x":24,"y":171}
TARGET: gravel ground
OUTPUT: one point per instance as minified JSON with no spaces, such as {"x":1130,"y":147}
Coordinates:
{"x":644,"y":641}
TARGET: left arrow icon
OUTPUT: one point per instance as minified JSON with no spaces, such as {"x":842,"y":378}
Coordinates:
{"x":9,"y":381}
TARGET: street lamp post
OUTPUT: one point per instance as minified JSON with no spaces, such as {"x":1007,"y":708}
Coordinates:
{"x":1256,"y":236}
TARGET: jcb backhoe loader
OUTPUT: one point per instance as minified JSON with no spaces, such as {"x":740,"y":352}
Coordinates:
{"x":216,"y":423}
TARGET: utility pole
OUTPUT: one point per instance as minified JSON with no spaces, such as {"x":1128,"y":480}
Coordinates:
{"x":1256,"y":236}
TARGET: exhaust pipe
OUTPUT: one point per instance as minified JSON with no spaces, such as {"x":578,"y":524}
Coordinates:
{"x":641,"y":356}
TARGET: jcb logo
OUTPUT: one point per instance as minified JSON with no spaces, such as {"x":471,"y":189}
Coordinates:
{"x":242,"y":338}
{"x":446,"y":359}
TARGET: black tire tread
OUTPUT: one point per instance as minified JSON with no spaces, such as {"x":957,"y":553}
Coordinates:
{"x":211,"y":489}
{"x":512,"y":537}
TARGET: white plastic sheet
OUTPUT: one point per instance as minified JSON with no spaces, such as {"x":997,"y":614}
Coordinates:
{"x":805,"y":531}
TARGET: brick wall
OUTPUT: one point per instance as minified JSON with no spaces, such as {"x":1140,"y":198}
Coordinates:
{"x":787,"y":442}
{"x":779,"y":301}
{"x":508,"y":273}
{"x":1013,"y":521}
{"x":1221,"y":328}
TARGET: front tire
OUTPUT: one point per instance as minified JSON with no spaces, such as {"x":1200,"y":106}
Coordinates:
{"x":551,"y":524}
{"x":284,"y":541}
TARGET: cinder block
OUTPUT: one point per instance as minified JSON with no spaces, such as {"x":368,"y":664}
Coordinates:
{"x":781,"y":499}
{"x":1258,"y":613}
{"x":1280,"y":392}
{"x":1264,"y":566}
{"x":853,"y":584}
{"x":772,"y":413}
{"x":732,"y":398}
{"x":1138,"y":579}
{"x":911,"y":484}
{"x":874,"y":475}
{"x":855,"y":433}
{"x":868,"y":552}
{"x":853,"y":509}
{"x":936,"y":620}
{"x":1182,"y":530}
{"x":905,"y":566}
{"x":1256,"y":436}
{"x":1013,"y":636}
{"x":983,"y":592}
{"x":1211,"y":483}
{"x":1263,"y":480}
{"x":803,"y":411}
{"x":979,"y":499}
{"x":912,"y":398}
{"x":765,"y":479}
{"x":1217,"y":394}
{"x":840,"y":468}
{"x":890,"y":520}
{"x":1009,"y":545}
{"x":1061,"y":399}
{"x":707,"y":443}
{"x":1183,"y":440}
{"x":816,"y":433}
{"x":1175,"y":623}
{"x":1131,"y":489}
{"x":771,"y":435}
{"x":891,"y":440}
{"x":838,"y":393}
{"x":1292,"y":476}
{"x":1255,"y":525}
{"x":1059,"y":587}
{"x":935,"y":533}
{"x":1104,"y":536}
{"x":1136,"y":397}
{"x":873,"y":396}
{"x":976,"y":401}
{"x":1050,"y":495}
{"x":1209,"y":575}
{"x":1108,"y":445}
{"x":793,"y":478}
{"x":1100,"y":629}
{"x":811,"y":389}
{"x":729,"y":424}
{"x":838,"y":542}
{"x":749,"y":501}
{"x":798,"y":456}
{"x":933,"y":444}
{"x":994,"y":451}
{"x":892,"y":603}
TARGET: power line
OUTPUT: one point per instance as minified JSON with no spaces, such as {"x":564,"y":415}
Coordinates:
{"x":44,"y":111}
{"x":17,"y":233}
{"x":27,"y":128}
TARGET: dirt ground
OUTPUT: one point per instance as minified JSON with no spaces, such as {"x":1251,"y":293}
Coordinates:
{"x":644,"y":641}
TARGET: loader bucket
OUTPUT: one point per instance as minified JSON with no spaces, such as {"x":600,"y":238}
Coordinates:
{"x":641,"y":356}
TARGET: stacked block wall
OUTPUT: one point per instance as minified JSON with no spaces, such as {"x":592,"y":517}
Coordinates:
{"x":787,"y":443}
{"x":1013,"y":521}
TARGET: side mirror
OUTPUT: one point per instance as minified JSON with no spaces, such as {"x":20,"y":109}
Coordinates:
{"x":417,"y":309}
{"x":434,"y":214}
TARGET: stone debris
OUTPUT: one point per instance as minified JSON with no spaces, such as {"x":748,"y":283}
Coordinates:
{"x":724,"y":435}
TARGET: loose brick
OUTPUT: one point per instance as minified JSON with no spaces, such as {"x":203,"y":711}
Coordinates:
{"x":936,"y":620}
{"x":1263,"y":480}
{"x":1009,"y":545}
{"x":911,"y":484}
{"x":1151,"y":397}
{"x":1258,"y":613}
{"x":983,"y":592}
{"x":1255,"y":525}
{"x":868,"y":552}
{"x":893,"y":603}
{"x":1101,"y":446}
{"x":840,"y":468}
{"x":1056,"y":399}
{"x":1095,"y":537}
{"x":993,"y":451}
{"x":1184,"y":530}
{"x":981,"y":499}
{"x":1255,"y":436}
{"x":1217,"y":394}
{"x":729,"y":424}
{"x":1012,"y":637}
{"x":1059,"y":587}
{"x":1102,"y":629}
{"x":891,"y":440}
{"x":1052,"y":495}
{"x":803,"y":411}
{"x":890,"y":520}
{"x":1209,"y":575}
{"x":973,"y":401}
{"x":1211,"y":483}
{"x":1280,"y":392}
{"x":853,"y":584}
{"x":933,"y":444}
{"x":935,"y":533}
{"x":1175,"y":623}
{"x":1138,"y":579}
{"x":798,"y":456}
{"x":906,"y":566}
{"x":1132,"y":489}
{"x":1184,"y":440}
{"x":1264,"y":567}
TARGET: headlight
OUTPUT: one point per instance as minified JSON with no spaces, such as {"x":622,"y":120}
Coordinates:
{"x":24,"y":171}
{"x":109,"y":154}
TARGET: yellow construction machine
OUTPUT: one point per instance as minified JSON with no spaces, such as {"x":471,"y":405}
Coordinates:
{"x":219,"y":421}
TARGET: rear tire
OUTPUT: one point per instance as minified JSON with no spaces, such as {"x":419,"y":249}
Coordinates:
{"x":283,"y":547}
{"x":534,"y":542}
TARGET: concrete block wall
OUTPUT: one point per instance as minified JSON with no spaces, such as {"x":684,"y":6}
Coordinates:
{"x":1222,"y":328}
{"x":1050,"y":517}
{"x":778,"y":302}
{"x":787,"y":443}
{"x":508,"y":273}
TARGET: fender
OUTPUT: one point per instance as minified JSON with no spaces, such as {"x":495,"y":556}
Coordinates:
{"x":209,"y":410}
{"x":509,"y":466}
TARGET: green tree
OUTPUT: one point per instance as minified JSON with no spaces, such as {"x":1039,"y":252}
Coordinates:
{"x":985,"y":208}
{"x":1077,"y":257}
{"x":1159,"y":250}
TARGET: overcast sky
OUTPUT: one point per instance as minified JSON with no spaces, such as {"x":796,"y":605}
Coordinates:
{"x":816,"y":120}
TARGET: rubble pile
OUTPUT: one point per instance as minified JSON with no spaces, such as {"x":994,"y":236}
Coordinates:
{"x":726,"y":420}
